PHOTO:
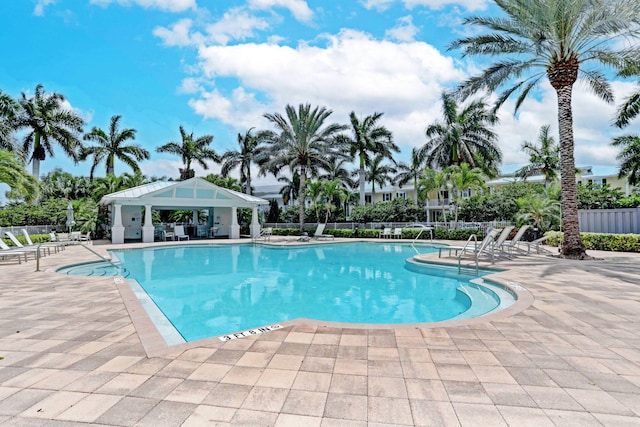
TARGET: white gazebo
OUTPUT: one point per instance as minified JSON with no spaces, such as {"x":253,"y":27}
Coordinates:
{"x":195,"y":194}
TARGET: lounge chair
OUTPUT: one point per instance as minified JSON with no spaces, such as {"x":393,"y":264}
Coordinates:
{"x":497,"y":247}
{"x":488,"y":239}
{"x":536,"y":244}
{"x":397,"y":233}
{"x":179,"y":232}
{"x":57,"y":246}
{"x":319,"y":233}
{"x":265,"y":234}
{"x":385,"y":233}
{"x":8,"y":252}
{"x":31,"y":249}
{"x":512,"y":245}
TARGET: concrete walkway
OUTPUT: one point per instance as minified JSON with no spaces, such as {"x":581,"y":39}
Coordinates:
{"x":76,"y":353}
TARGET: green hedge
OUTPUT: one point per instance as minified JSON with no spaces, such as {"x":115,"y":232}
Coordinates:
{"x":35,"y":238}
{"x":601,"y":241}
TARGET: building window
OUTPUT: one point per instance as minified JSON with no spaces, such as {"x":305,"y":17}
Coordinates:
{"x":604,"y":181}
{"x":401,"y":195}
{"x":367,"y":199}
{"x":386,"y":197}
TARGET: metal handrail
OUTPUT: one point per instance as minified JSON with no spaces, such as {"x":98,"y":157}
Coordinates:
{"x":475,"y":250}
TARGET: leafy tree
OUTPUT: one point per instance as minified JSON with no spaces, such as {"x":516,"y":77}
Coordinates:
{"x":463,"y":136}
{"x":224,"y":182}
{"x":274,"y":211}
{"x":560,"y":40}
{"x":462,"y":178}
{"x":368,"y":138}
{"x":8,"y":110}
{"x":379,"y":173}
{"x":334,"y":193}
{"x":250,"y":150}
{"x":412,"y":171}
{"x":499,"y":205}
{"x":47,"y":122}
{"x":397,"y":210}
{"x":315,"y":192}
{"x":191,"y":149}
{"x":541,"y":210}
{"x":301,"y":142}
{"x":594,"y":196}
{"x":543,"y":159}
{"x":629,"y":157}
{"x":61,"y":184}
{"x":112,"y":146}
{"x":13,"y":173}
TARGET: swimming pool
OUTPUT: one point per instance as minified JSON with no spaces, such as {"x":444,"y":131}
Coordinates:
{"x":212,"y":290}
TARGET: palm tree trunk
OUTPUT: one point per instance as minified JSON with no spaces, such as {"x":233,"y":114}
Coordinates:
{"x":111,"y":165}
{"x":572,"y":246}
{"x":248,"y":189}
{"x":302,"y":194}
{"x":415,"y":191}
{"x":36,"y":161}
{"x":361,"y":178}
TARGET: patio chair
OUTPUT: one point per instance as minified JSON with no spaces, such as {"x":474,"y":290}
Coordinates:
{"x":497,"y":247}
{"x":8,"y":252}
{"x":537,"y":245}
{"x":179,"y":232}
{"x":397,"y":233}
{"x":31,"y":248}
{"x":512,"y":245}
{"x":85,"y":237}
{"x":386,"y":233}
{"x":57,"y":246}
{"x":488,"y":239}
{"x":319,"y":233}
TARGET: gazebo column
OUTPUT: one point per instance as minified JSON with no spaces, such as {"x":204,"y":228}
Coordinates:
{"x":117,"y":229}
{"x":234,"y":228}
{"x":148,"y":230}
{"x":255,"y":223}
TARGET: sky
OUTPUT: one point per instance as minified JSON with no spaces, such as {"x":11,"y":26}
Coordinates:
{"x":216,"y":67}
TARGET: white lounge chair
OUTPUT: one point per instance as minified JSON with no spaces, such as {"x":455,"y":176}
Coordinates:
{"x":536,"y":244}
{"x":512,"y":245}
{"x":31,"y":249}
{"x":497,"y":247}
{"x":386,"y":233}
{"x":319,"y":233}
{"x":397,"y":233}
{"x":7,"y":251}
{"x":179,"y":232}
{"x":57,"y":246}
{"x":484,"y":244}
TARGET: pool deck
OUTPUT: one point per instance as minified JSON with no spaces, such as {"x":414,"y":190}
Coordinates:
{"x":78,"y":351}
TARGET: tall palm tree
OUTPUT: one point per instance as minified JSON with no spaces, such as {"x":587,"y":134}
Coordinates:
{"x":250,"y":150}
{"x":379,"y":173}
{"x":543,"y":159}
{"x":368,"y":139}
{"x":335,"y":169}
{"x":111,"y":146}
{"x":560,"y":40}
{"x":315,"y":192}
{"x":462,"y":136}
{"x":302,"y":143}
{"x":191,"y":149}
{"x":8,"y":110}
{"x":462,"y":178}
{"x":48,"y":122}
{"x":629,"y":157}
{"x":335,"y":194}
{"x":630,"y":108}
{"x":412,"y":171}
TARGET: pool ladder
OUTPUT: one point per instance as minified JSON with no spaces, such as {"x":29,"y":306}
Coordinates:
{"x":475,"y":251}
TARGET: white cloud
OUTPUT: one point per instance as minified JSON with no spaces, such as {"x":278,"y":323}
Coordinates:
{"x":353,"y":72}
{"x":177,"y":35}
{"x":166,"y":5}
{"x":298,"y":8}
{"x":38,"y":10}
{"x":404,"y":31}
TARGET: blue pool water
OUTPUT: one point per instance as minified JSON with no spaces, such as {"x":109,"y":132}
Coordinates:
{"x":206,"y":290}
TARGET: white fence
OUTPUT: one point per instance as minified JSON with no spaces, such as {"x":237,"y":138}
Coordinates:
{"x":617,"y":221}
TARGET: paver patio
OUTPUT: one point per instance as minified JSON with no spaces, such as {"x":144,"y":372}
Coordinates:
{"x":74,"y":356}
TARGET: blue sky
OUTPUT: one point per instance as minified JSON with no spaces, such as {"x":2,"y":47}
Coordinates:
{"x":217,"y":66}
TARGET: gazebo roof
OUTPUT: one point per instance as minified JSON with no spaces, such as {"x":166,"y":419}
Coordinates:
{"x":191,"y":193}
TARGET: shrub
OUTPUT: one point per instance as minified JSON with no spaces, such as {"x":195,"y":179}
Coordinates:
{"x":602,"y":241}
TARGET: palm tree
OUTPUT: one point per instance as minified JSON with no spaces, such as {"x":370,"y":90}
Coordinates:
{"x":315,"y":192}
{"x":290,"y":188}
{"x":301,"y":143}
{"x":8,"y":110}
{"x":249,"y":151}
{"x":48,"y":122}
{"x":368,"y":139}
{"x":462,"y":178}
{"x":224,"y":182}
{"x":631,"y":106}
{"x":463,"y":136}
{"x":111,"y":146}
{"x":191,"y":149}
{"x":335,"y":169}
{"x":412,"y":171}
{"x":557,"y":39}
{"x":379,"y":173}
{"x":629,"y":157}
{"x":334,"y":193}
{"x":12,"y":172}
{"x":543,"y":159}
